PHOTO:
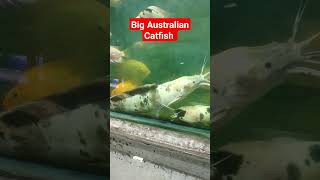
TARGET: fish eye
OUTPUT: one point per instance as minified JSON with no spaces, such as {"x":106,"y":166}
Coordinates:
{"x":268,"y":65}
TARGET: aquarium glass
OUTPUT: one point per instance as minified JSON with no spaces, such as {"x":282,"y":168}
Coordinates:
{"x":164,"y":82}
{"x":288,"y":106}
{"x":266,"y":75}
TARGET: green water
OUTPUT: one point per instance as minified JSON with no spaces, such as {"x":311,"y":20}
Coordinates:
{"x":290,"y":110}
{"x":170,"y":60}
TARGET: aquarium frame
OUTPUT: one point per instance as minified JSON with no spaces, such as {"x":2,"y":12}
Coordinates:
{"x":179,"y":151}
{"x":162,"y":124}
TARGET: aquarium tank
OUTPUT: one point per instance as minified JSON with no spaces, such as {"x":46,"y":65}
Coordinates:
{"x":273,"y":61}
{"x":51,"y":53}
{"x":161,"y":83}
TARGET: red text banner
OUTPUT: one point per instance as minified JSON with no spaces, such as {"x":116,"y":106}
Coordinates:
{"x":160,"y":29}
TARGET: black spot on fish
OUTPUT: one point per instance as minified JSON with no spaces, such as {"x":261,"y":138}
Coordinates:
{"x":201,"y":116}
{"x":315,"y":152}
{"x":96,"y":114}
{"x":102,"y":133}
{"x":268,"y":65}
{"x":82,"y":140}
{"x":215,"y":90}
{"x":228,"y":166}
{"x":141,"y":104}
{"x":193,"y":82}
{"x":307,"y":162}
{"x":145,"y":101}
{"x":180,"y":113}
{"x":167,"y":88}
{"x":293,"y":171}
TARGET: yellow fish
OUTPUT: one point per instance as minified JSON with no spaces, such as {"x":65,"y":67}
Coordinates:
{"x":56,"y":29}
{"x":123,"y":87}
{"x":132,"y":70}
{"x":45,"y":80}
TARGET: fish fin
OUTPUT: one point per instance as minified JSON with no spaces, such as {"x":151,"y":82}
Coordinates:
{"x":174,"y":100}
{"x":60,"y":103}
{"x":92,"y":92}
{"x":168,"y":107}
{"x":31,"y":112}
{"x":139,"y":90}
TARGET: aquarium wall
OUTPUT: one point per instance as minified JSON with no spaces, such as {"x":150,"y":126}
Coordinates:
{"x":265,"y":73}
{"x":161,"y":82}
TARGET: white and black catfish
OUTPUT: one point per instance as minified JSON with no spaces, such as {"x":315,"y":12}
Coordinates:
{"x":243,"y":74}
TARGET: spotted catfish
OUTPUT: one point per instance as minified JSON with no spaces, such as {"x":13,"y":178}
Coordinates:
{"x":68,"y":129}
{"x":243,"y":74}
{"x":151,"y":98}
{"x":281,"y":158}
